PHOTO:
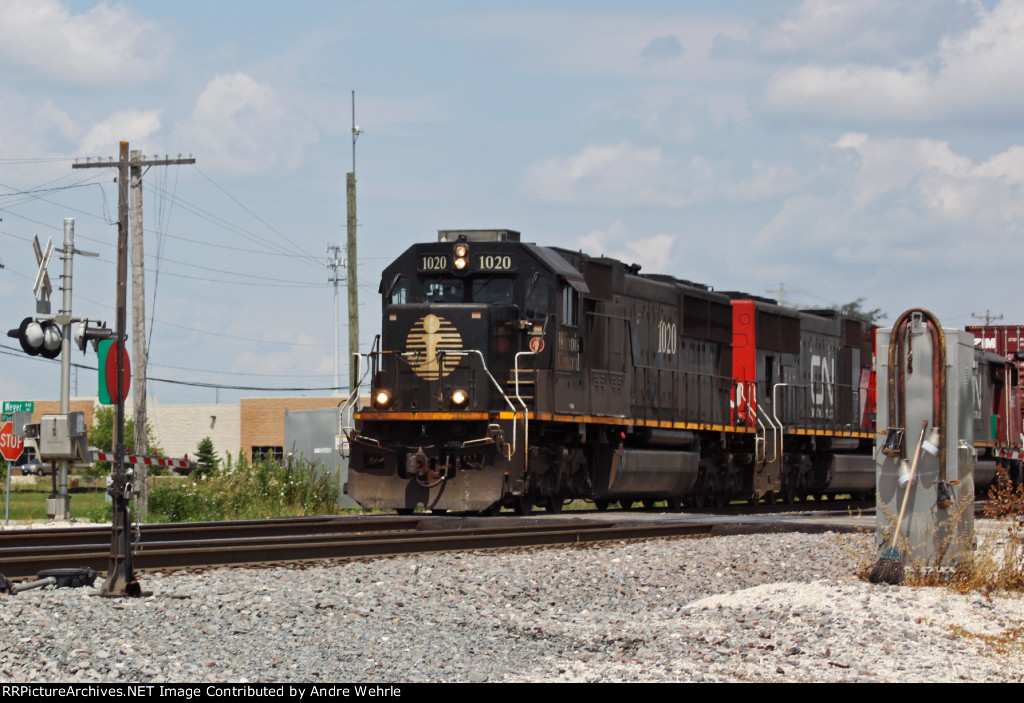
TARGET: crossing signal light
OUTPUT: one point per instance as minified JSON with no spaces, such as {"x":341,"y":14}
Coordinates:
{"x":84,"y":334}
{"x":38,"y":337}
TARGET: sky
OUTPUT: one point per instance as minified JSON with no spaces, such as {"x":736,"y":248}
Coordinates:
{"x":821,"y":152}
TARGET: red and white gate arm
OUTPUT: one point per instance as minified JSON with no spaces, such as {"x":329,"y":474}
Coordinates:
{"x":1009,"y":454}
{"x":147,"y":460}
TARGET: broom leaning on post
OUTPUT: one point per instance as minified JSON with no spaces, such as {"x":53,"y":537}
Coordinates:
{"x":889,"y":567}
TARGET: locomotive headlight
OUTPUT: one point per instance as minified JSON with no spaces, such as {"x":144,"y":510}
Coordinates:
{"x":383,"y":399}
{"x":461,"y":252}
{"x":459,"y":397}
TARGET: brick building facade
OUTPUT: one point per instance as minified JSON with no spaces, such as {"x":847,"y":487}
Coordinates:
{"x":254,"y":427}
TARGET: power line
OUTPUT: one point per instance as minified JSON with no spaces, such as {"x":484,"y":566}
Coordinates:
{"x":11,"y":351}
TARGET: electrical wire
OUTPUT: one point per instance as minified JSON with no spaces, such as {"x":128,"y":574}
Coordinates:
{"x":11,"y":351}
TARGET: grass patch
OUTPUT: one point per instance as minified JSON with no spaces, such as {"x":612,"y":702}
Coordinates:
{"x":246,"y":492}
{"x":31,"y":504}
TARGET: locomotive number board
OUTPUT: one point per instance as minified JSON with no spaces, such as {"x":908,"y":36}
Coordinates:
{"x":478,"y":262}
{"x":434,"y":262}
{"x":493,"y":262}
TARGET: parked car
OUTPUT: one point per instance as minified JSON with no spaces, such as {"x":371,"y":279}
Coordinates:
{"x":34,"y":467}
{"x":30,"y":465}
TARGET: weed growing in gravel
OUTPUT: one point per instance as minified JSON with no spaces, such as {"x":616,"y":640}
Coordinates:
{"x":997,"y":562}
{"x":247,"y":491}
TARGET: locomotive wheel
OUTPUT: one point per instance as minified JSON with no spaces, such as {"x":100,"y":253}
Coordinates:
{"x":601,"y":505}
{"x":554,"y":504}
{"x":722,"y":498}
{"x":439,"y":511}
{"x":675,"y":505}
{"x":404,"y":511}
{"x":649,"y":504}
{"x":522,"y":505}
{"x":699,"y":498}
{"x":789,"y":494}
{"x":626,"y":504}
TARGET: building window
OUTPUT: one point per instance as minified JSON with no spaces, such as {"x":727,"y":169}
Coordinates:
{"x":267,"y":454}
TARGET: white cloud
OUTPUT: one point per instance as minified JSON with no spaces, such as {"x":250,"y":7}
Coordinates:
{"x":862,"y":29}
{"x":125,"y":125}
{"x":242,"y":126}
{"x":622,"y":175}
{"x":26,"y":125}
{"x":105,"y":45}
{"x":907,"y":199}
{"x":969,"y":76}
{"x":654,"y":253}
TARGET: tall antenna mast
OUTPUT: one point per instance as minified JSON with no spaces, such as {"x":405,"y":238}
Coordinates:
{"x":353,"y":294}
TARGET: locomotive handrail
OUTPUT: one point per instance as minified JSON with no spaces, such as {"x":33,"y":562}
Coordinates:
{"x":807,"y":417}
{"x":483,"y":363}
{"x":349,"y":406}
{"x":526,"y":411}
{"x":775,"y":406}
{"x":775,"y":443}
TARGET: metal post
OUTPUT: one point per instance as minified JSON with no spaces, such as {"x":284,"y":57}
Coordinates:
{"x":64,"y":320}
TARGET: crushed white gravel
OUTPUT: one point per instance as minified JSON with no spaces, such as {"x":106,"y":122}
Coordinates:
{"x":783,"y":607}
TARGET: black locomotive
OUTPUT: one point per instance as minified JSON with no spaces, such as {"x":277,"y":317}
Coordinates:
{"x":511,"y":374}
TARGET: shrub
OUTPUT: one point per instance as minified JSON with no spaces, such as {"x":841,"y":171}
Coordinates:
{"x":249,"y":491}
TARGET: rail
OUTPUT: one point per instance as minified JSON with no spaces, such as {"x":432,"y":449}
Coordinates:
{"x":360,"y":537}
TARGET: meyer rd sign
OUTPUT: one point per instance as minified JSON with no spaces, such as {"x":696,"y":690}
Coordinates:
{"x":19,"y":406}
{"x":10,"y":446}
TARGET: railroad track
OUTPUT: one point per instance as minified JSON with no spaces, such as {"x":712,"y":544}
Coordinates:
{"x":23,"y":553}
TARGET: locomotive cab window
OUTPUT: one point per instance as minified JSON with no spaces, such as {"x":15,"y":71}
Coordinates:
{"x":399,"y":292}
{"x":537,"y":304}
{"x":570,"y":305}
{"x":492,"y":290}
{"x":443,"y":290}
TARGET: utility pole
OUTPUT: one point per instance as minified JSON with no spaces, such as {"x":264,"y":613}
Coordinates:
{"x":989,"y":319}
{"x":139,"y":441}
{"x":353,"y":293}
{"x":120,"y":574}
{"x":334,"y":262}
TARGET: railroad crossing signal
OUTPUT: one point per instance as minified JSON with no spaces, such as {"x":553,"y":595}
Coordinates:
{"x":38,"y":337}
{"x":10,"y":446}
{"x":42,"y":287}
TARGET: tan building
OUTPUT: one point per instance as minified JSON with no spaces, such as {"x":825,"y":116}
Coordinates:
{"x":254,"y":427}
{"x":263,"y":422}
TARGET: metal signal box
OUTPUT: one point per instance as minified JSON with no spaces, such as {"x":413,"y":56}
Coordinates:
{"x":61,"y":437}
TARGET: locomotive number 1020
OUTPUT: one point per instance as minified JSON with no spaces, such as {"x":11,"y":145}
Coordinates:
{"x":494,"y":262}
{"x":668,"y":340}
{"x":433,"y":262}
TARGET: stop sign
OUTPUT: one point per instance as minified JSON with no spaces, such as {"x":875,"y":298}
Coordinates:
{"x":10,"y":446}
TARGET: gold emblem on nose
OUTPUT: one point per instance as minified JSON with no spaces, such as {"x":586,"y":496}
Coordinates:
{"x":427,"y":337}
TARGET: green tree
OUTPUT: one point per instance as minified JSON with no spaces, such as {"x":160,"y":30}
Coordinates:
{"x":206,"y":458}
{"x":101,"y":436}
{"x":856,"y":309}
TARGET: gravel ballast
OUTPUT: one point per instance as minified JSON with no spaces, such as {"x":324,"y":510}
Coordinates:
{"x":783,"y":607}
